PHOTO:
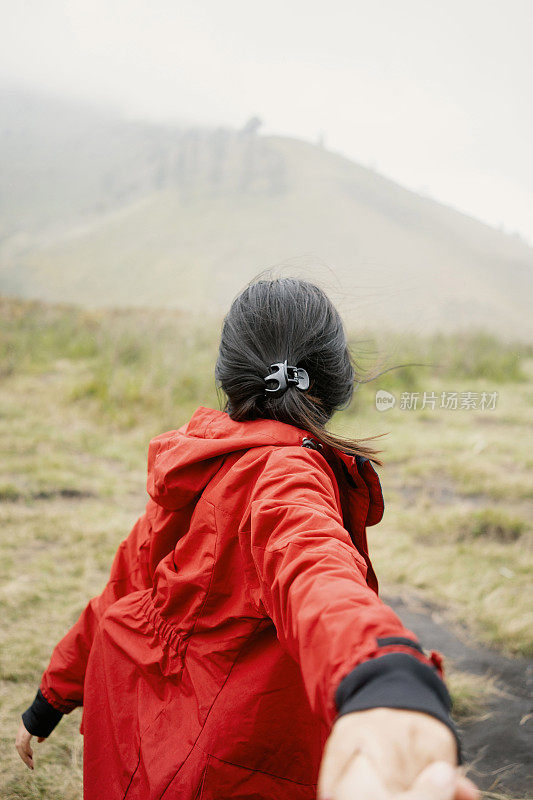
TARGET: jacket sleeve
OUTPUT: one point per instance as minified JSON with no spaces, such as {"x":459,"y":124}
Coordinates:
{"x":61,"y":687}
{"x":353,"y":650}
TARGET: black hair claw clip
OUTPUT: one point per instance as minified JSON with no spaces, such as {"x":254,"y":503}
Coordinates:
{"x":286,"y":376}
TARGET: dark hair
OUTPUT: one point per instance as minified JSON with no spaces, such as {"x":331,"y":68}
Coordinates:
{"x":288,"y":318}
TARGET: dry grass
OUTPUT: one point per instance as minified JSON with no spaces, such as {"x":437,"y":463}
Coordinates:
{"x":470,"y":694}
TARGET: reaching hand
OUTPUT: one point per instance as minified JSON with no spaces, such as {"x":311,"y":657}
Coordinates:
{"x":23,"y":745}
{"x":392,"y":754}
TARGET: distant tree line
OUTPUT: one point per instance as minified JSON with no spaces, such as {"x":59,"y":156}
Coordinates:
{"x":219,"y":161}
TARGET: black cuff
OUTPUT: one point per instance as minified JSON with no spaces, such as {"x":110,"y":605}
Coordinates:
{"x":397,"y":680}
{"x":41,"y":718}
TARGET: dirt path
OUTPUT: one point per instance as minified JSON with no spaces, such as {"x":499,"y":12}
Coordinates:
{"x":500,"y":745}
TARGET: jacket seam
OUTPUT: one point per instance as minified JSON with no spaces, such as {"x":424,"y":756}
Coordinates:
{"x":190,"y":633}
{"x":399,"y":641}
{"x":294,"y":503}
{"x":261,"y":771}
{"x":133,"y":773}
{"x":200,"y":790}
{"x":304,"y":546}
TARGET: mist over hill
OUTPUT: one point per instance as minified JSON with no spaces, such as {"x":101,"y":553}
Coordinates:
{"x":98,"y":210}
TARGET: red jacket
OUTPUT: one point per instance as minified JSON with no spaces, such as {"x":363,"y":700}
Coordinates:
{"x":240,"y":617}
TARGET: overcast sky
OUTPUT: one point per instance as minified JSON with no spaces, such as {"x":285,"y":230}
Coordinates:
{"x":436,"y":94}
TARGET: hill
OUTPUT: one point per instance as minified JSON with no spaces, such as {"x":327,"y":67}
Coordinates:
{"x":102,"y":211}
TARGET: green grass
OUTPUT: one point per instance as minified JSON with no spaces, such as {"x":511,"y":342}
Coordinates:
{"x":81,"y":393}
{"x":411,"y":360}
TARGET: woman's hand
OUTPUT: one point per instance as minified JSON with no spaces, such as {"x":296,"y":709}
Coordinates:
{"x":22,"y":743}
{"x":389,"y":754}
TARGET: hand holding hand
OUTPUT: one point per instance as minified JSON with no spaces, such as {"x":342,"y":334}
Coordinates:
{"x":392,"y":754}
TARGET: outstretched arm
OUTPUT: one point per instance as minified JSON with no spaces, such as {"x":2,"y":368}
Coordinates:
{"x":355,"y":655}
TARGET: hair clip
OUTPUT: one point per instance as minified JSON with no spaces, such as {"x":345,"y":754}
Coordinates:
{"x":286,"y":376}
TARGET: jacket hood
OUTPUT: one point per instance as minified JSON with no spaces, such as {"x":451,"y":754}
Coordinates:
{"x":182,"y":462}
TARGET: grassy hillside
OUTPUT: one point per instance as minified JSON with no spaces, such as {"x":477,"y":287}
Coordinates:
{"x":82,"y":392}
{"x":131,"y":214}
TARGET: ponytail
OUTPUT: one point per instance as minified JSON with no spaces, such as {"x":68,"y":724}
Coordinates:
{"x":288,"y":318}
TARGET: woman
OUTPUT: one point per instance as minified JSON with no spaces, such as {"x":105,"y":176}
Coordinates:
{"x":239,"y":649}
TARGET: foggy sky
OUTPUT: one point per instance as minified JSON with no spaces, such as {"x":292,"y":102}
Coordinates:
{"x":436,"y":95}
